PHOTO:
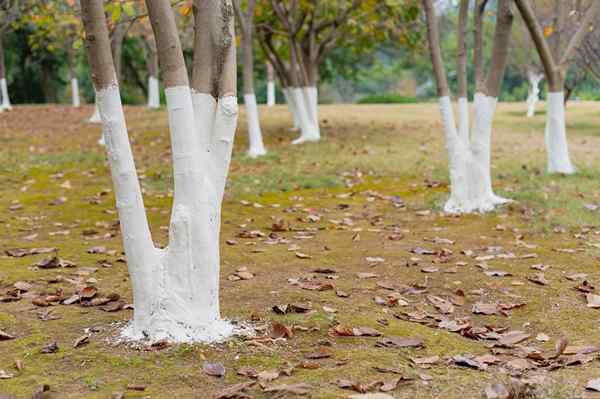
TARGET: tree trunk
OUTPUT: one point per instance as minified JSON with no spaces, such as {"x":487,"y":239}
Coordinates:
{"x":557,"y":147}
{"x":116,"y":46}
{"x":534,"y":91}
{"x":246,"y":23}
{"x":75,"y":100}
{"x":152,"y":66}
{"x":270,"y":85}
{"x":5,"y":105}
{"x":469,"y":152}
{"x":175,"y":290}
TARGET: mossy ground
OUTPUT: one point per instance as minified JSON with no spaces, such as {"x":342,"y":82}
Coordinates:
{"x":393,"y":150}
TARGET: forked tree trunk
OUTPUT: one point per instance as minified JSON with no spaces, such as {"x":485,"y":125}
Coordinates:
{"x":270,"y":85}
{"x":555,"y":69}
{"x":5,"y":104}
{"x":175,"y":290}
{"x":469,"y":151}
{"x":289,"y":100}
{"x":246,"y":23}
{"x":152,"y":66}
{"x":534,"y":79}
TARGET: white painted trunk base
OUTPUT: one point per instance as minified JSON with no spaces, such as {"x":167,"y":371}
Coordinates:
{"x":153,"y":93}
{"x":5,"y":106}
{"x":534,"y":92}
{"x":289,"y":99}
{"x":257,"y":147}
{"x":271,"y":93}
{"x":469,"y":157}
{"x":95,"y":118}
{"x":557,"y":146}
{"x":306,"y":104}
{"x":175,"y":290}
{"x":75,"y":93}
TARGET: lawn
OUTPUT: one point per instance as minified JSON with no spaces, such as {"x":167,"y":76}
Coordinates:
{"x":357,"y":215}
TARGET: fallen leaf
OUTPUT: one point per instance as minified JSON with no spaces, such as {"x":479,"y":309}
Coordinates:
{"x":400,"y":342}
{"x":294,"y":389}
{"x":593,"y":385}
{"x":84,"y":339}
{"x":4,"y":336}
{"x":497,"y":391}
{"x":513,"y":337}
{"x":234,"y":391}
{"x":50,"y":348}
{"x":214,"y":369}
{"x":593,"y":301}
{"x":279,"y":330}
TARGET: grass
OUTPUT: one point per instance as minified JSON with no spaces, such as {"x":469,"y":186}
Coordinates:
{"x":391,"y":150}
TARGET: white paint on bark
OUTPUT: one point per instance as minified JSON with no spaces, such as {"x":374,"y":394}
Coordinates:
{"x":557,"y":147}
{"x":153,"y":92}
{"x":175,"y":290}
{"x":469,"y":157}
{"x":306,"y":104}
{"x":463,"y":118}
{"x":289,"y":99}
{"x":95,"y":118}
{"x":271,"y":93}
{"x":75,"y":93}
{"x":534,"y":92}
{"x":5,"y":106}
{"x":256,"y":147}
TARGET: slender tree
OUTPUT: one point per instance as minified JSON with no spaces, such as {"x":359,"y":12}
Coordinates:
{"x":556,"y":59}
{"x":271,"y":100}
{"x":9,"y":12}
{"x":175,"y":290}
{"x":469,"y":149}
{"x":246,"y":23}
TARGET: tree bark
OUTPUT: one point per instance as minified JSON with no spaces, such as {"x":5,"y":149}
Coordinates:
{"x":116,"y":44}
{"x":270,"y":85}
{"x":246,"y":23}
{"x":152,"y":66}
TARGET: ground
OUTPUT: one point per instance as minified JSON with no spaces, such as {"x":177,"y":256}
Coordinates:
{"x":366,"y":199}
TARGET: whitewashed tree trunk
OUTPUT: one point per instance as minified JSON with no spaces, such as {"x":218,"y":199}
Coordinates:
{"x":290,"y":100}
{"x":75,"y":93}
{"x":95,"y":118}
{"x":175,"y":290}
{"x":153,"y":92}
{"x":463,"y":118}
{"x":557,"y":146}
{"x":469,"y":158}
{"x":306,"y":104}
{"x":5,"y":99}
{"x":270,"y":93}
{"x":534,"y":92}
{"x":257,"y":147}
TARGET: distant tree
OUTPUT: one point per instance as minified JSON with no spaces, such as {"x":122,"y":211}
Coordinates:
{"x":556,"y":60}
{"x":297,"y":36}
{"x":9,"y":12}
{"x":245,"y":17}
{"x":469,"y":149}
{"x":56,"y":29}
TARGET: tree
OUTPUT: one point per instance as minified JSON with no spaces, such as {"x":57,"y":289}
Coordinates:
{"x":57,"y":29}
{"x":246,"y":23}
{"x":175,"y":290}
{"x":9,"y":12}
{"x":271,"y":100}
{"x":527,"y":66}
{"x":556,"y":60}
{"x":469,"y":151}
{"x":297,"y":36}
